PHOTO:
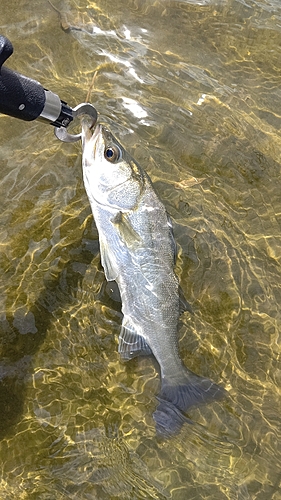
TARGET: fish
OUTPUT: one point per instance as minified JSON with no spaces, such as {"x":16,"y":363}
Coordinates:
{"x":138,"y":252}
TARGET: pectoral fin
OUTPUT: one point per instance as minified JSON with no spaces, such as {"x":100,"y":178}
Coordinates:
{"x":131,"y":344}
{"x":127,"y":233}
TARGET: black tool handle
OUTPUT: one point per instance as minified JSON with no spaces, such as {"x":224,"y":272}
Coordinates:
{"x":25,"y":98}
{"x":20,"y":97}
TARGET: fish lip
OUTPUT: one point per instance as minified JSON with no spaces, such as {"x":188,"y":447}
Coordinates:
{"x":96,"y":131}
{"x":95,"y":136}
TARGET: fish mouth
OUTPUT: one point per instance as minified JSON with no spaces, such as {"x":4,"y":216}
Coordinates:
{"x":96,"y":131}
{"x":95,"y":137}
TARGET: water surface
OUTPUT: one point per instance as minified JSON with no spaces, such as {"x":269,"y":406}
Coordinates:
{"x":192,"y":89}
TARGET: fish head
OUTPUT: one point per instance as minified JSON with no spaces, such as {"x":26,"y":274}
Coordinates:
{"x":111,"y":176}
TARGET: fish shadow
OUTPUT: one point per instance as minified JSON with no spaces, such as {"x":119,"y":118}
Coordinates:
{"x":19,"y":343}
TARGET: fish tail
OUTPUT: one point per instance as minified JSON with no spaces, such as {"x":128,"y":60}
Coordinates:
{"x":176,"y":398}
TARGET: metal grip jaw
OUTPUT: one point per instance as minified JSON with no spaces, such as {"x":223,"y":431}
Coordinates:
{"x":55,"y":111}
{"x":82,"y":109}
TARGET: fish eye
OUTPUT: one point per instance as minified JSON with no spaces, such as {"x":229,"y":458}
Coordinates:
{"x":112,"y":154}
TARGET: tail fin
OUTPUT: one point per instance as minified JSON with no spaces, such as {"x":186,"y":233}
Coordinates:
{"x":175,"y":399}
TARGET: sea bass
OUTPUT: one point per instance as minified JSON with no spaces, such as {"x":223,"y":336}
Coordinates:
{"x":138,"y":252}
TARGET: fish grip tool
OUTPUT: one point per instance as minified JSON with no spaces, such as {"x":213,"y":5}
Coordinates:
{"x":26,"y":99}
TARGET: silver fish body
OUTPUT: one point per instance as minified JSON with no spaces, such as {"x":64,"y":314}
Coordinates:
{"x":138,"y":252}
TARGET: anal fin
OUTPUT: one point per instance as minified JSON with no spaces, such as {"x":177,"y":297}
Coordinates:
{"x":131,"y":344}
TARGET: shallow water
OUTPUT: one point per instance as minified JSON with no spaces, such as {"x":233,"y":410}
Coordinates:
{"x":192,"y":89}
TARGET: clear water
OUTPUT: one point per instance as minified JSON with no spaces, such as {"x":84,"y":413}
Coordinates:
{"x":192,"y":89}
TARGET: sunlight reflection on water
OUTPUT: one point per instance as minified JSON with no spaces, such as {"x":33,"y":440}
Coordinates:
{"x":192,"y":89}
